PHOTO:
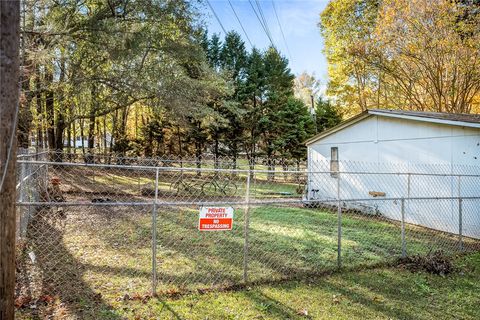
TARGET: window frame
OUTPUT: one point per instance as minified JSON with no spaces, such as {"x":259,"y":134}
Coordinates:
{"x":334,"y":162}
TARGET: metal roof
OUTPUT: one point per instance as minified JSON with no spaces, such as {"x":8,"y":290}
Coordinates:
{"x":461,"y":117}
{"x":454,"y":119}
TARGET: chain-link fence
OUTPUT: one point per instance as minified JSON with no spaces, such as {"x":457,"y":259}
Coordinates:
{"x":208,"y":160}
{"x":90,"y":229}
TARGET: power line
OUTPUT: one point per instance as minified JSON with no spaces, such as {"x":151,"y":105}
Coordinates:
{"x":261,"y":23}
{"x":216,"y":17}
{"x":260,"y":10}
{"x":241,"y":25}
{"x":281,"y":29}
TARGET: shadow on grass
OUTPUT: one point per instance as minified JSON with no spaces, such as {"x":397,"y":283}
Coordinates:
{"x":293,"y":242}
{"x":378,"y":293}
{"x":219,"y":256}
{"x":129,"y":184}
{"x":53,"y":271}
{"x":283,"y":243}
{"x":273,"y":307}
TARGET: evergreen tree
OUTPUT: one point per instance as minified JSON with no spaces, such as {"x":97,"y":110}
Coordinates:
{"x":327,"y":115}
{"x":233,"y":61}
{"x":252,"y":95}
{"x":214,"y":49}
{"x":296,"y":125}
{"x":278,"y":89}
{"x":233,"y":56}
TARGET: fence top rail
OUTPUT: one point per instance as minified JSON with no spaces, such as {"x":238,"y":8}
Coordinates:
{"x":305,"y":171}
{"x":239,"y":203}
{"x":186,"y":159}
{"x":31,"y":155}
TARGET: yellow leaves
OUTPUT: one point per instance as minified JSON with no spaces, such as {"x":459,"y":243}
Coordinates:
{"x":414,"y":53}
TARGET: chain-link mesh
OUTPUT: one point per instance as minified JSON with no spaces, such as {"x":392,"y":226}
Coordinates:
{"x":103,"y":229}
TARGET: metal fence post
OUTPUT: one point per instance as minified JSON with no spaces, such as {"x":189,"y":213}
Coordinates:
{"x":409,"y":176}
{"x":21,"y":198}
{"x":404,"y":242}
{"x":245,"y":229}
{"x":460,"y":223}
{"x":154,"y":238}
{"x":339,"y":230}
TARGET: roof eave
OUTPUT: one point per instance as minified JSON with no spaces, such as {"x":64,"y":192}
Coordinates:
{"x":342,"y":125}
{"x":425,"y":119}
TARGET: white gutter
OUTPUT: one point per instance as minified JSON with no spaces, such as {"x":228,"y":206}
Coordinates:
{"x":426,"y":119}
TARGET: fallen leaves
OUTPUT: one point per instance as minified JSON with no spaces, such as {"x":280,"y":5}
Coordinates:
{"x":47,"y":299}
{"x":25,"y":301}
{"x":22,"y":301}
{"x":435,"y":263}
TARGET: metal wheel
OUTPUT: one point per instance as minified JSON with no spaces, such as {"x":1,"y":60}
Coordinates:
{"x":229,"y":188}
{"x":209,"y":189}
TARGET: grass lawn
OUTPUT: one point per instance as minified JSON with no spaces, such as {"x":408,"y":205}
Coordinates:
{"x":96,"y":257}
{"x":385,"y":293}
{"x":381,"y":293}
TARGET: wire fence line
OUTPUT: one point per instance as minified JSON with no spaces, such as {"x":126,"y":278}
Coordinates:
{"x":96,"y":228}
{"x":241,"y":161}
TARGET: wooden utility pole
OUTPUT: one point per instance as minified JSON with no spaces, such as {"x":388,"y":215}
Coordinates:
{"x":9,"y":99}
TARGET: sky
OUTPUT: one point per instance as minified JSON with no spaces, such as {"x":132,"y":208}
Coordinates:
{"x":298,"y":20}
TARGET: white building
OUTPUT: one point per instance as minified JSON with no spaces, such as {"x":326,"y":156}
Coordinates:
{"x":420,"y":143}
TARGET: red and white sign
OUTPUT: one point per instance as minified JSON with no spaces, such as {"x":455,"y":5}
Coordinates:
{"x":215,"y":218}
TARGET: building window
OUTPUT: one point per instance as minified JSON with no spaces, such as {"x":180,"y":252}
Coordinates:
{"x":334,"y":162}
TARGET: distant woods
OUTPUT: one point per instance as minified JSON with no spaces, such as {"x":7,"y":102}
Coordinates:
{"x":403,"y":54}
{"x":145,"y":78}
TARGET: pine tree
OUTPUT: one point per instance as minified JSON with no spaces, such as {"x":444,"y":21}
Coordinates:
{"x":327,"y":115}
{"x":233,"y":61}
{"x":278,"y":89}
{"x":296,"y":125}
{"x":252,"y":94}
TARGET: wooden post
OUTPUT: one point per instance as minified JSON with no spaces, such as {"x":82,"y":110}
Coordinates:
{"x":9,"y":99}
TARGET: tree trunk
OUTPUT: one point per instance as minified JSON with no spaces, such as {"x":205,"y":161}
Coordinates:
{"x":198,"y":158}
{"x":114,"y":138}
{"x":39,"y":104}
{"x":148,"y":149}
{"x":234,"y":156}
{"x":91,"y":138}
{"x":49,"y":109}
{"x":25,"y":115}
{"x":112,"y":135}
{"x":216,"y":152}
{"x":91,"y":133}
{"x":180,"y":149}
{"x":60,"y":127}
{"x":82,"y":135}
{"x":69,"y":138}
{"x":270,"y":165}
{"x":91,"y":125}
{"x":74,"y":131}
{"x":105,"y":135}
{"x":60,"y":123}
{"x":198,"y":150}
{"x":9,"y":99}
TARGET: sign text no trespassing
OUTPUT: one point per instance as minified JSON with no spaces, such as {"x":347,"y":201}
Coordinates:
{"x":215,"y":218}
